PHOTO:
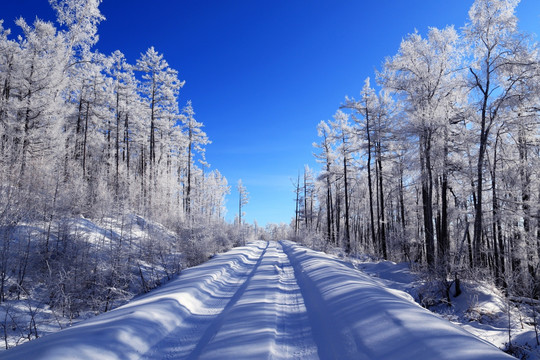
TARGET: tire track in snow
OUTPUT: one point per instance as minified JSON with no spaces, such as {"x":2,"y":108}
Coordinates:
{"x":217,"y":295}
{"x":269,"y":321}
{"x":217,"y":322}
{"x":334,"y":339}
{"x":354,"y":317}
{"x":294,"y":339}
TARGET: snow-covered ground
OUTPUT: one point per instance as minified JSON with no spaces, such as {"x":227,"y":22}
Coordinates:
{"x":80,"y":250}
{"x":481,"y":309}
{"x":265,"y":300}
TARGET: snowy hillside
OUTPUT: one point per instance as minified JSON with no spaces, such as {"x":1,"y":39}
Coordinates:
{"x":55,"y":274}
{"x":265,"y":300}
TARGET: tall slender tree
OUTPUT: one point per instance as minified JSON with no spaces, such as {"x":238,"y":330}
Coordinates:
{"x":160,"y":89}
{"x":326,"y":157}
{"x":196,"y":139}
{"x":501,"y":60}
{"x":421,"y":73}
{"x":243,"y":199}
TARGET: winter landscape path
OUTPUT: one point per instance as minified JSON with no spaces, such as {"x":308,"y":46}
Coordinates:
{"x":266,"y":300}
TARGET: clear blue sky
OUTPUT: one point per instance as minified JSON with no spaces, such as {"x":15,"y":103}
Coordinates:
{"x":263,"y":73}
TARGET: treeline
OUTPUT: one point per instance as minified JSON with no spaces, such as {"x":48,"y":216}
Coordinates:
{"x":85,"y":135}
{"x":88,"y":132}
{"x":441,"y":166}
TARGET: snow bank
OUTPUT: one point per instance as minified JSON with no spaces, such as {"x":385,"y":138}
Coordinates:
{"x":354,"y":317}
{"x":131,"y":330}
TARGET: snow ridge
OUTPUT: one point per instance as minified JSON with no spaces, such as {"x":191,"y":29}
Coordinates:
{"x":372,"y":322}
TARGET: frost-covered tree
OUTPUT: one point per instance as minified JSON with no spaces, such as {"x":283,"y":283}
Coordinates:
{"x":196,"y":139}
{"x":327,"y":157}
{"x":126,"y":103}
{"x":372,"y":126}
{"x":243,"y":199}
{"x":81,"y":17}
{"x":422,"y":75}
{"x":501,"y":61}
{"x":345,"y":145}
{"x":365,"y":109}
{"x":308,"y":190}
{"x":89,"y":136}
{"x":447,"y":155}
{"x":39,"y":81}
{"x":160,"y":89}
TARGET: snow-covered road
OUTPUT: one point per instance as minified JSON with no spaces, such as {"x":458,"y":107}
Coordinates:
{"x":267,"y":300}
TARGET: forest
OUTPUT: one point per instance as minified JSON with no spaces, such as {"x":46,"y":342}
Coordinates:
{"x":439,"y":165}
{"x":104,"y":185}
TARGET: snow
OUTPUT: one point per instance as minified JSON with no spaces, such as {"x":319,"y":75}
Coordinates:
{"x":101,"y":238}
{"x":265,"y":300}
{"x":481,"y":309}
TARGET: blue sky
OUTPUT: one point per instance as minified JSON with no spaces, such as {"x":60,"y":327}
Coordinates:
{"x":262,"y":73}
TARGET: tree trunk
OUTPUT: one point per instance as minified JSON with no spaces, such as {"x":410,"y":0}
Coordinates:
{"x":346,"y":198}
{"x":86,"y":118}
{"x":443,"y":241}
{"x":484,"y":133}
{"x":498,"y":244}
{"x":329,"y":207}
{"x":297,"y":205}
{"x":381,"y":203}
{"x":305,"y":199}
{"x":370,"y":186}
{"x":525,"y":198}
{"x":188,"y":188}
{"x":427,"y":195}
{"x":117,"y":148}
{"x":126,"y":154}
{"x":401,"y":197}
